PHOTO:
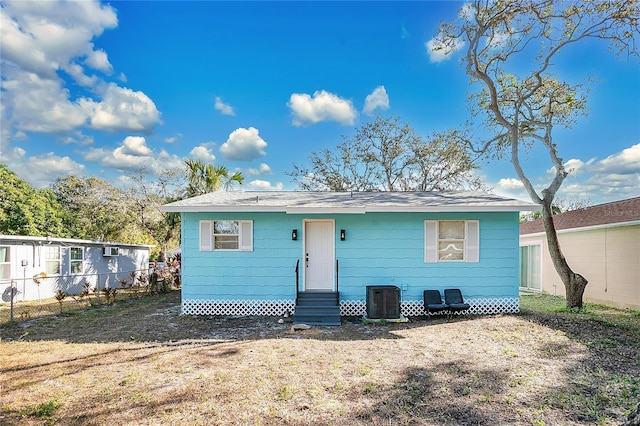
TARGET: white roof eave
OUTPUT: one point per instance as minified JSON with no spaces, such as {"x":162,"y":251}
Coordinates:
{"x":344,"y":210}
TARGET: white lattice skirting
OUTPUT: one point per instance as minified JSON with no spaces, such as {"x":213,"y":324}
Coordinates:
{"x":415,"y":308}
{"x":237,"y":307}
{"x":348,"y":308}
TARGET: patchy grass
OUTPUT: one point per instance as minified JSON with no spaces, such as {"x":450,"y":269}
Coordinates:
{"x":139,"y":359}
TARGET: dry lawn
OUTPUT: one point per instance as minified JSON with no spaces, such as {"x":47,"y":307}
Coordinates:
{"x":140,"y":362}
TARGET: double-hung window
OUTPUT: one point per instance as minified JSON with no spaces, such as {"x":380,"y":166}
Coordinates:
{"x":76,"y":258}
{"x":5,"y":263}
{"x":229,"y":235}
{"x":52,"y":260}
{"x":451,"y":241}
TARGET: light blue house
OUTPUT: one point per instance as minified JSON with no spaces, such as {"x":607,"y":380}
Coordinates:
{"x":265,"y":253}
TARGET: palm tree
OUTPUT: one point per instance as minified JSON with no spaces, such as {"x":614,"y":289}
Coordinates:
{"x":204,"y":178}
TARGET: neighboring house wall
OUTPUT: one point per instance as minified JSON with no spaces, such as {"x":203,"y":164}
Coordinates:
{"x":608,"y":257}
{"x":67,"y":265}
{"x":380,"y":248}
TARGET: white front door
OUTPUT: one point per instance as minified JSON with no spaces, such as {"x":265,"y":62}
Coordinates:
{"x":319,"y":241}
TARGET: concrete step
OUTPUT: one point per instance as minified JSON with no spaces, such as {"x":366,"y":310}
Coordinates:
{"x":317,"y":315}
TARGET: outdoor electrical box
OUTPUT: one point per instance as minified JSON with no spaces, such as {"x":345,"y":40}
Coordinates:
{"x":110,"y":251}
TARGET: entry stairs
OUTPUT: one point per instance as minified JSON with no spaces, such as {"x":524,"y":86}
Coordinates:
{"x":317,"y":308}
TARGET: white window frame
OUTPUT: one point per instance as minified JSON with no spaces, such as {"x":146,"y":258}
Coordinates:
{"x":72,"y":261}
{"x":58,"y":260}
{"x":5,"y":264}
{"x":471,"y":242}
{"x":245,"y":235}
{"x":538,"y":264}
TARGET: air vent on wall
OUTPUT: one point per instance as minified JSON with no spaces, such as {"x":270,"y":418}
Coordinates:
{"x":109,"y":251}
{"x":383,"y":302}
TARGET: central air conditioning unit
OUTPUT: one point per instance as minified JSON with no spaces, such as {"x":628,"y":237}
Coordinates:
{"x":383,"y":302}
{"x":110,"y":251}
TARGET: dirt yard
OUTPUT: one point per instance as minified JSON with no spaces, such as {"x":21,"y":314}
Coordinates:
{"x":140,"y":362}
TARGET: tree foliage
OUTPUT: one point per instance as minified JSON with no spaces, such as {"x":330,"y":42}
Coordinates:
{"x":204,"y":178}
{"x":94,"y":209}
{"x":387,"y":155}
{"x":28,"y":211}
{"x":510,"y":47}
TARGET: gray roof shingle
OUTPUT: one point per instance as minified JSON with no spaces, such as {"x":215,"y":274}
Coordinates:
{"x":347,"y":202}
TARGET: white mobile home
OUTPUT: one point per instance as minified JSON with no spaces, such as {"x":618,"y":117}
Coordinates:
{"x":37,"y":267}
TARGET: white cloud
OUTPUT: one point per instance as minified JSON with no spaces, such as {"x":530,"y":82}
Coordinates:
{"x":440,"y":48}
{"x":616,"y":177}
{"x":77,"y":72}
{"x":43,"y":37}
{"x":39,"y":105}
{"x":173,"y":139}
{"x":132,"y":154}
{"x":574,"y":167}
{"x":323,"y":106}
{"x":203,"y":153}
{"x":511,"y":187}
{"x":625,"y":162}
{"x":135,"y":146}
{"x":78,"y":138}
{"x":510,"y":184}
{"x":378,"y":99}
{"x":165,"y":161}
{"x":225,"y":109}
{"x":122,"y":109}
{"x":263,"y":185}
{"x":40,"y":171}
{"x":40,"y":39}
{"x":98,"y":60}
{"x":263,"y":169}
{"x":243,"y":145}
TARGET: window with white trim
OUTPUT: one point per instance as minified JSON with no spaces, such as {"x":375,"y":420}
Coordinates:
{"x":5,"y":262}
{"x":76,"y":260}
{"x":451,"y":241}
{"x":226,"y":235}
{"x":530,"y":266}
{"x":52,"y":260}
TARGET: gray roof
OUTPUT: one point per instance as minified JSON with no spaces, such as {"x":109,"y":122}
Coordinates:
{"x":20,"y":239}
{"x":347,"y":202}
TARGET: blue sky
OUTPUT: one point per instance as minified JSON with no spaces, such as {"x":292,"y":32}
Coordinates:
{"x":101,"y":89}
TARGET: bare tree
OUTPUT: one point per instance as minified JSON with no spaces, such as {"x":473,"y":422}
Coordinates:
{"x":509,"y":50}
{"x":560,"y":204}
{"x":387,"y":155}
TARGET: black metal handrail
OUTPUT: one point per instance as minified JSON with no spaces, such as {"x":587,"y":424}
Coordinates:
{"x":297,"y":279}
{"x":337,"y":267}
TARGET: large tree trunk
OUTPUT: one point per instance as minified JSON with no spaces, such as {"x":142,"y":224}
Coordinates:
{"x":574,"y":283}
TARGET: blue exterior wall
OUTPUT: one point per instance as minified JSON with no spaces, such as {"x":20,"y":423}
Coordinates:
{"x":380,"y":248}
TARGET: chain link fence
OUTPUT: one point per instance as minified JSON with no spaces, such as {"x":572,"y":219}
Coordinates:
{"x":40,"y":287}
